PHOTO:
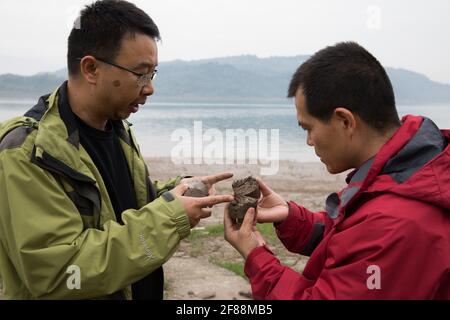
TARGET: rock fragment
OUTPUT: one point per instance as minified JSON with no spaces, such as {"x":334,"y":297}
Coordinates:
{"x":196,"y":189}
{"x":246,"y":195}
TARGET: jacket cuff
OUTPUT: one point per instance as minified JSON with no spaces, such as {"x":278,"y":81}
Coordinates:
{"x":289,"y":222}
{"x":177,"y":180}
{"x":257,"y":258}
{"x":178,"y":213}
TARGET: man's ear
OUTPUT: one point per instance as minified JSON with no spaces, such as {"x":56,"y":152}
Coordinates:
{"x":345,"y":119}
{"x":89,"y":69}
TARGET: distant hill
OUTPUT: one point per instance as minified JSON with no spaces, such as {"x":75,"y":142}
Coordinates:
{"x":239,"y":78}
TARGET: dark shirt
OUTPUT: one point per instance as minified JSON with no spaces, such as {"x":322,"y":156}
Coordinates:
{"x":108,"y":156}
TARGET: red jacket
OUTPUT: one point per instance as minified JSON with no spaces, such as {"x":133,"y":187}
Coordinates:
{"x":385,"y":236}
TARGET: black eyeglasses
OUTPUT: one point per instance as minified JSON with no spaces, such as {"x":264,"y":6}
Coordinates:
{"x":143,"y":79}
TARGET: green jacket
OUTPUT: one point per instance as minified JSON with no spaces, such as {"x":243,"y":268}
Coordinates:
{"x":56,"y":215}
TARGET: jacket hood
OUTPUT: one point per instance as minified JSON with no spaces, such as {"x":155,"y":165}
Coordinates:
{"x":421,"y":168}
{"x":414,"y":163}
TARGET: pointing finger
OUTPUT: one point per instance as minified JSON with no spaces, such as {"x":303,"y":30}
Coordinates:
{"x":212,"y":200}
{"x":217,"y":177}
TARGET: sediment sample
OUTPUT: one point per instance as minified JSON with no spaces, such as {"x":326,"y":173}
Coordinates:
{"x":246,"y":195}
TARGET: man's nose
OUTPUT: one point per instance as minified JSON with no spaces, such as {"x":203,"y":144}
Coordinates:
{"x":148,"y":89}
{"x":309,"y":141}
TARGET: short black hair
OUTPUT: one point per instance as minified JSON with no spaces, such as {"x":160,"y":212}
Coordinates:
{"x":100,"y":28}
{"x":347,"y":75}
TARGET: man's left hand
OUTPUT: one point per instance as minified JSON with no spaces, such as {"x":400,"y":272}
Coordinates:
{"x":247,"y":237}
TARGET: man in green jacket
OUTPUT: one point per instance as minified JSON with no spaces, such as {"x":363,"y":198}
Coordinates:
{"x":79,"y":216}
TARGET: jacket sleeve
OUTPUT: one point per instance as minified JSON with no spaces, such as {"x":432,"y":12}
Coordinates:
{"x":44,"y":237}
{"x":302,"y":230}
{"x":376,"y":260}
{"x":163,"y":186}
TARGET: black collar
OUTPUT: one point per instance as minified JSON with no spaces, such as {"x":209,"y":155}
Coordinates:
{"x":71,"y":123}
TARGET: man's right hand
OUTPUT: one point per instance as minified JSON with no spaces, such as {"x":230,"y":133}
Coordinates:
{"x":198,"y":208}
{"x":271,"y":207}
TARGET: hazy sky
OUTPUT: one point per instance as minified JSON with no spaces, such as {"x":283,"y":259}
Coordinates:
{"x":400,"y":33}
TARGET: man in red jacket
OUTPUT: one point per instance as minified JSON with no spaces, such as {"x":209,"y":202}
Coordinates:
{"x":387,"y":234}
